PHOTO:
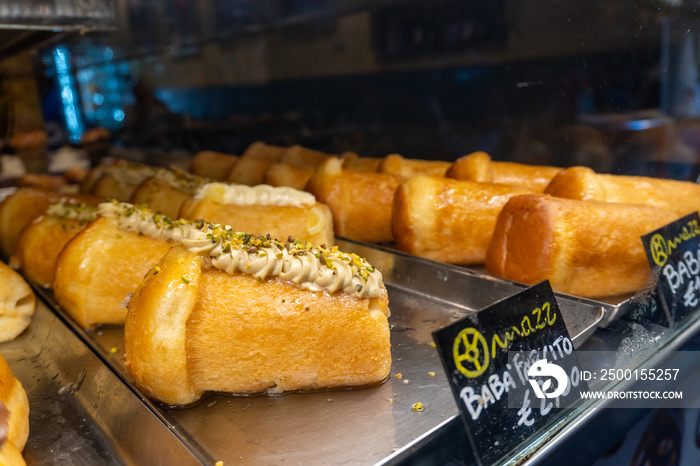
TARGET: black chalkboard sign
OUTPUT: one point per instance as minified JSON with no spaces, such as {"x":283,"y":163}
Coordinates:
{"x":491,"y":359}
{"x":673,"y":252}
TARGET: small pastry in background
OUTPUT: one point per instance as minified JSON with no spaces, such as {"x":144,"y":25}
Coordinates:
{"x":361,"y":202}
{"x":32,"y":148}
{"x":394,"y":164}
{"x":117,"y":181}
{"x":212,"y":165}
{"x":478,"y":166}
{"x":43,"y":181}
{"x":26,"y":204}
{"x":448,"y":220}
{"x":96,"y":142}
{"x":281,"y":174}
{"x":40,"y":242}
{"x":17,"y":303}
{"x":262,"y":210}
{"x":250,"y":167}
{"x":14,"y":416}
{"x":167,"y":190}
{"x":352,"y":161}
{"x":302,"y":157}
{"x":682,"y":197}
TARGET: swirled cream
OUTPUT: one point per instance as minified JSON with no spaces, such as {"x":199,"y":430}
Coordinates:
{"x":310,"y":268}
{"x":181,"y":180}
{"x":73,"y":211}
{"x":261,"y":194}
{"x":144,"y":221}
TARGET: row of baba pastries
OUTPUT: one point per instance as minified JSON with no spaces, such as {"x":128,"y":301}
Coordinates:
{"x":579,"y":229}
{"x":206,"y":306}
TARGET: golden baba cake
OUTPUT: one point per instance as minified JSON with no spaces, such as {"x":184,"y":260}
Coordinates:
{"x":13,"y":398}
{"x":582,"y":183}
{"x":167,"y":190}
{"x":26,"y":204}
{"x":106,"y":260}
{"x":448,"y":220}
{"x":263,"y":209}
{"x":117,"y":181}
{"x":40,"y":242}
{"x":361,"y":201}
{"x":478,"y":166}
{"x":230,"y":312}
{"x":584,"y":248}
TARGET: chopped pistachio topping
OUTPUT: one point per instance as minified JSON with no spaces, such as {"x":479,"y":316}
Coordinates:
{"x":131,"y":173}
{"x":181,"y":180}
{"x":73,"y":211}
{"x":144,"y":221}
{"x":310,"y":267}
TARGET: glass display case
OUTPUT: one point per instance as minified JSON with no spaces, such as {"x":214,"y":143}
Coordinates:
{"x":607,"y":85}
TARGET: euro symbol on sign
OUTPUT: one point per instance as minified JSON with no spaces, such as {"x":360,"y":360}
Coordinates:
{"x":658,"y":249}
{"x":470,"y":352}
{"x":542,"y":368}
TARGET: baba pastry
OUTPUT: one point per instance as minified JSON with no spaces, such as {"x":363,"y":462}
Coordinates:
{"x":117,"y":181}
{"x":478,"y":166}
{"x":682,"y":197}
{"x":167,"y":190}
{"x":361,"y":201}
{"x":448,"y":220}
{"x":302,"y":157}
{"x":26,"y":204}
{"x":250,"y":167}
{"x":40,"y":242}
{"x":282,"y":174}
{"x":13,"y":398}
{"x":263,"y":209}
{"x":106,"y":260}
{"x":352,"y":161}
{"x":584,"y":248}
{"x":17,"y":303}
{"x":212,"y":165}
{"x":227,"y":311}
{"x":394,"y":164}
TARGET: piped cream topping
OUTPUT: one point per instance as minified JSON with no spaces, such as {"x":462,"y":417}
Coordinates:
{"x":141,"y":220}
{"x":73,"y":211}
{"x":310,"y":268}
{"x":261,"y":194}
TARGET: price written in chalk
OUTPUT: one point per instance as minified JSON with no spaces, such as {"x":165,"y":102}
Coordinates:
{"x":673,"y":252}
{"x":490,"y":358}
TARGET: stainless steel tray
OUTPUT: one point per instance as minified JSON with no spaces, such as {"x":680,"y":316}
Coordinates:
{"x":368,"y":426}
{"x":80,"y":412}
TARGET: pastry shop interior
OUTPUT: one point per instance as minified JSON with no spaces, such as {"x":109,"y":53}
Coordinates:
{"x":386,"y":229}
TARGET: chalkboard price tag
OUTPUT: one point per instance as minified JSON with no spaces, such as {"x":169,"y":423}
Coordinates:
{"x":673,"y":252}
{"x":496,"y":357}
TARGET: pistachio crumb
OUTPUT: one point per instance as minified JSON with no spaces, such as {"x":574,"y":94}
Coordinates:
{"x":417,"y":407}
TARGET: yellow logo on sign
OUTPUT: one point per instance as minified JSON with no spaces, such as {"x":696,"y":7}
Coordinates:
{"x":471,"y":352}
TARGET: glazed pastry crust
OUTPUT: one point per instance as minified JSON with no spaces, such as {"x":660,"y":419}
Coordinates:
{"x":40,"y":243}
{"x":282,"y":174}
{"x":250,"y":167}
{"x":229,"y":332}
{"x":394,"y":164}
{"x":99,"y":267}
{"x":26,"y":204}
{"x":17,"y":303}
{"x":309,"y":222}
{"x":682,"y":197}
{"x":361,"y":202}
{"x":160,"y":196}
{"x":584,"y":248}
{"x":478,"y":166}
{"x":448,"y":220}
{"x":15,"y":398}
{"x":212,"y":165}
